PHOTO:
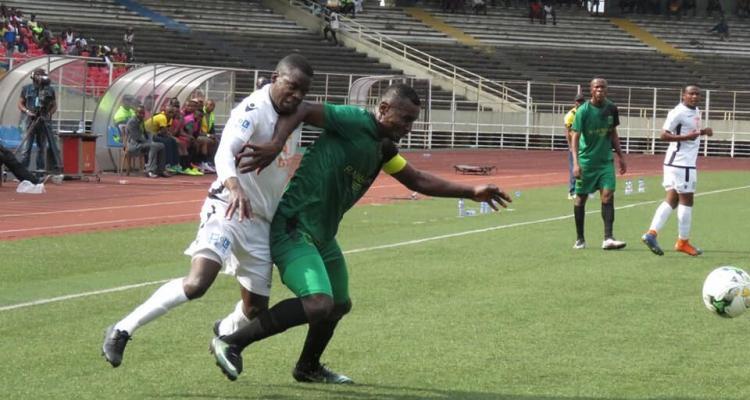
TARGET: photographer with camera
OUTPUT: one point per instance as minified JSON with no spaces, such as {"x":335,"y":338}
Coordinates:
{"x":37,"y":104}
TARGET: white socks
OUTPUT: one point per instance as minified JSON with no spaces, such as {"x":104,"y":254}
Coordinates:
{"x":661,"y":216}
{"x":684,"y":220}
{"x":167,"y":297}
{"x":234,"y":321}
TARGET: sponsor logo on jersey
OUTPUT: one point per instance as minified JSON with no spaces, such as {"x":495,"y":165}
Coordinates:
{"x":250,"y":107}
{"x":245,"y":124}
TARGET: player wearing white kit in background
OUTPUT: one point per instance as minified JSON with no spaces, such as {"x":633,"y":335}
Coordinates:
{"x":235,"y":218}
{"x":683,"y":130}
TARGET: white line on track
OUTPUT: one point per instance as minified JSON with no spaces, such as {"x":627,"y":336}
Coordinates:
{"x":88,"y":210}
{"x":116,"y":221}
{"x":360,"y":250}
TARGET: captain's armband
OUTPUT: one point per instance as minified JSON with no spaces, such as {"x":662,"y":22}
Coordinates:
{"x":394,"y":165}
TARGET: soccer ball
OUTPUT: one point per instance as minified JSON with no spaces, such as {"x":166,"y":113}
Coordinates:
{"x":726,"y":292}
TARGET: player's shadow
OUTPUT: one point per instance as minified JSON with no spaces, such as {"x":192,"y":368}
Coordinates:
{"x":378,"y":392}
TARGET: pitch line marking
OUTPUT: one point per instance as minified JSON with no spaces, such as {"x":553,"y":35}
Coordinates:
{"x":354,"y":251}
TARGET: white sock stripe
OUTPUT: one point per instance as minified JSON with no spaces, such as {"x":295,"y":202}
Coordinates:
{"x":386,"y":246}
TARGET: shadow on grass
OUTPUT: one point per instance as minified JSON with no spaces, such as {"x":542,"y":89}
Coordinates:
{"x":376,"y":392}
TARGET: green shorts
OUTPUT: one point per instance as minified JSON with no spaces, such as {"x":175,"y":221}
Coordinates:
{"x":595,"y":178}
{"x":307,"y":268}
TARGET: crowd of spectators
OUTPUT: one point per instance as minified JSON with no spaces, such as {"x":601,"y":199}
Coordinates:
{"x":183,"y":137}
{"x":29,"y":36}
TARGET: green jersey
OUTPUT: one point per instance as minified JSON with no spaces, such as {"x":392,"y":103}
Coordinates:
{"x":596,"y":125}
{"x":335,"y":171}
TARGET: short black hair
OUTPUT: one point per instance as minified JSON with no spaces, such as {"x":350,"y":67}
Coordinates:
{"x":401,"y":91}
{"x":295,"y":61}
{"x":684,"y":88}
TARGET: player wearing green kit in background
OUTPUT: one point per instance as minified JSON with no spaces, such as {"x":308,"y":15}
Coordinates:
{"x":334,"y":173}
{"x":594,"y":137}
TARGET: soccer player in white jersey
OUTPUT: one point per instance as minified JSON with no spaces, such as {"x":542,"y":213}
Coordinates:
{"x":236,"y":216}
{"x":683,"y":130}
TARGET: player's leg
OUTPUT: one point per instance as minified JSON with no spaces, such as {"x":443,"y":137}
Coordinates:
{"x":663,"y":211}
{"x":583,"y":187}
{"x":303,"y":271}
{"x":309,"y":367}
{"x":254,"y":276}
{"x":207,"y":252}
{"x":685,"y":214}
{"x":203,"y":271}
{"x":607,"y":185}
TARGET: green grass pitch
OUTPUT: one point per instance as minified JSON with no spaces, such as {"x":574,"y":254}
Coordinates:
{"x":490,"y":307}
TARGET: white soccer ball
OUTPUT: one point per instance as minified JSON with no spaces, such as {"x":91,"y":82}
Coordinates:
{"x":726,"y":292}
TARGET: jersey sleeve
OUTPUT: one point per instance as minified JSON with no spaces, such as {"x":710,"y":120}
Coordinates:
{"x":393,"y":162}
{"x":238,"y":131}
{"x":670,"y":124}
{"x":577,"y":124}
{"x":615,"y":116}
{"x":343,"y":119}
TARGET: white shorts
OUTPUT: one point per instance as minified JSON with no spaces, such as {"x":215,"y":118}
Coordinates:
{"x":679,"y":179}
{"x":243,"y":247}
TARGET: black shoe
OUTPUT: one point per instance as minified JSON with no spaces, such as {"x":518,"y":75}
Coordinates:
{"x":228,"y":358}
{"x":321,"y":374}
{"x":114,"y":345}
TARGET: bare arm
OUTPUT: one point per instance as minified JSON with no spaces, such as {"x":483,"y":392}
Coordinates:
{"x":618,"y":150}
{"x":432,"y":185}
{"x":668,"y":136}
{"x":574,"y":137}
{"x":255,"y":156}
{"x":22,"y":107}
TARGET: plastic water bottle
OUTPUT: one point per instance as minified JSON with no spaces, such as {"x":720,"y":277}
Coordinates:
{"x":81,"y":127}
{"x":641,"y":185}
{"x":518,"y":193}
{"x":483,"y":208}
{"x":628,"y":187}
{"x":461,"y":210}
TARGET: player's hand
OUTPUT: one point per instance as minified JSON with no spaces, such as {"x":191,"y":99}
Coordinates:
{"x":707,"y":131}
{"x":254,"y":156}
{"x":577,"y":171}
{"x":623,"y":165}
{"x":237,"y":201}
{"x":491,"y":195}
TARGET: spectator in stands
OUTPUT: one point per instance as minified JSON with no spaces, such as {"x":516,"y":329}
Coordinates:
{"x":714,"y":5}
{"x":77,"y":49}
{"x":674,"y":8}
{"x":332,"y":26}
{"x":346,"y":7}
{"x":359,"y":6}
{"x":9,"y":37}
{"x":37,"y":105}
{"x":688,"y":5}
{"x":721,"y":29}
{"x":547,"y":12}
{"x":158,"y":125}
{"x":69,"y":37}
{"x":743,"y":8}
{"x":535,"y":11}
{"x":139,"y":141}
{"x":479,"y":6}
{"x":53,"y":47}
{"x":128,"y":41}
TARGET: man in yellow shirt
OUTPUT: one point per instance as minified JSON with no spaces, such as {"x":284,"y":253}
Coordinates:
{"x":568,"y":121}
{"x":158,"y":125}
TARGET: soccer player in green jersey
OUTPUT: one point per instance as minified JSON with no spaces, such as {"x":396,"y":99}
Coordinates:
{"x":334,"y":173}
{"x":594,"y":137}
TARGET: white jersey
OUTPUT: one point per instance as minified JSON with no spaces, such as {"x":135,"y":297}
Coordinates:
{"x":683,"y":120}
{"x":253,"y":121}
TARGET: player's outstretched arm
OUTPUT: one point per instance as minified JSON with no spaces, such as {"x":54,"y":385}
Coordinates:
{"x":256,"y":156}
{"x":431,"y":185}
